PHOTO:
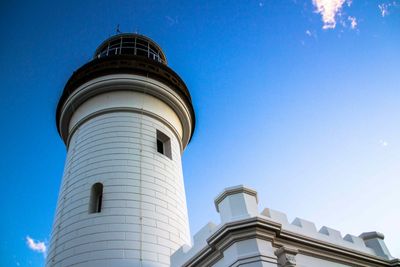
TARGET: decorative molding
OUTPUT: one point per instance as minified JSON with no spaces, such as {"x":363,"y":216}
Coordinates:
{"x":127,"y":82}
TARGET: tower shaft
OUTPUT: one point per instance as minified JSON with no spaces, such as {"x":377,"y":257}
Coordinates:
{"x":122,"y":199}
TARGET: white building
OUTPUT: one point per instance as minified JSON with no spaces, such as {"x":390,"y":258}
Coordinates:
{"x":126,"y":118}
{"x":247,"y":237}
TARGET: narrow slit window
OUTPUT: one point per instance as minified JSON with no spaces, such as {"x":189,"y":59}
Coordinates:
{"x":96,"y":198}
{"x":164,"y":144}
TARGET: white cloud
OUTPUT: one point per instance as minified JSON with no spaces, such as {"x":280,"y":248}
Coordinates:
{"x":308,"y":32}
{"x":328,"y":9}
{"x":35,"y":245}
{"x":353,"y":22}
{"x":383,"y":143}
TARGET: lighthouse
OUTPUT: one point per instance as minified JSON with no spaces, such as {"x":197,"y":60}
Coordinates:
{"x":125,"y":118}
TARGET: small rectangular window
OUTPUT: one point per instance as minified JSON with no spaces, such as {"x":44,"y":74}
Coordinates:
{"x":164,"y":144}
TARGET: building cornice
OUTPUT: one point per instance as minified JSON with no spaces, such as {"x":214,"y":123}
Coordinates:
{"x":262,"y":228}
{"x":126,"y":82}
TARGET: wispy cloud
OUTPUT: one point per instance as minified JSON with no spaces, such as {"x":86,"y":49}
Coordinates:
{"x":328,"y":9}
{"x":311,"y":34}
{"x":171,"y":20}
{"x":35,"y":245}
{"x":384,"y":8}
{"x":383,"y":143}
{"x":353,"y":22}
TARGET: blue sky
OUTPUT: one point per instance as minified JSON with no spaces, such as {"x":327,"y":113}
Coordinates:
{"x":303,"y":110}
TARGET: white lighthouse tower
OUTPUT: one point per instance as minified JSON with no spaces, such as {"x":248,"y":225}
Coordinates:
{"x":125,"y":118}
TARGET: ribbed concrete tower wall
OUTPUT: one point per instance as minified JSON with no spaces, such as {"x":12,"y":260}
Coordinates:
{"x":113,"y":141}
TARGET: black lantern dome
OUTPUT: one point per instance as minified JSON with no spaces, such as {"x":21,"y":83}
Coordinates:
{"x":131,"y":44}
{"x":127,"y":53}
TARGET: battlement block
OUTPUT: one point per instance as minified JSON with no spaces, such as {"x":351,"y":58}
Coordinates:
{"x":235,"y":203}
{"x":200,"y":238}
{"x":374,"y":240}
{"x":275,"y":216}
{"x":199,"y":242}
{"x":308,"y":227}
{"x":357,"y":241}
{"x":180,"y":256}
{"x":332,"y":233}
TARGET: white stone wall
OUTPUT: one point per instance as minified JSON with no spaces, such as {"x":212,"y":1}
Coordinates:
{"x":307,"y":261}
{"x":126,"y":100}
{"x":144,"y":215}
{"x":248,"y":253}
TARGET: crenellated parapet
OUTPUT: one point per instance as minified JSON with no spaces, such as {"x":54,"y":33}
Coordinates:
{"x":325,"y":234}
{"x":268,"y":238}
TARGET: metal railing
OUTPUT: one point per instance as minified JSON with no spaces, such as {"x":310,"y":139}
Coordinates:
{"x":131,"y":46}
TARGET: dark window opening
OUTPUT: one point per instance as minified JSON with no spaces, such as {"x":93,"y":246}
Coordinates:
{"x":96,"y":198}
{"x":164,"y":144}
{"x":160,"y":147}
{"x":99,"y":201}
